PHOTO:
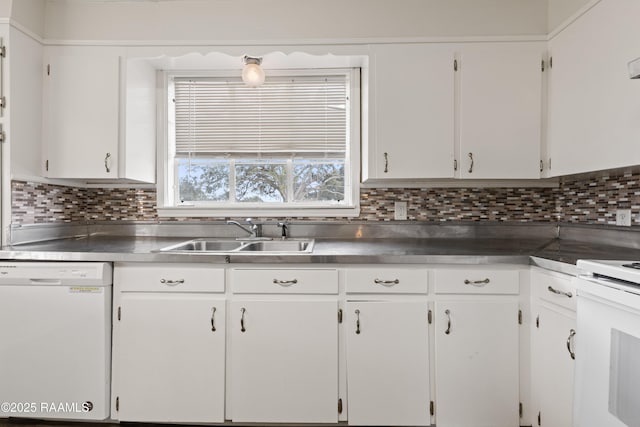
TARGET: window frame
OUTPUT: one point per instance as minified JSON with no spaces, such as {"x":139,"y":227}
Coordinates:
{"x":166,"y":173}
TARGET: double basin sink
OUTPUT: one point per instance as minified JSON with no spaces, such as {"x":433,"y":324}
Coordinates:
{"x":288,"y":246}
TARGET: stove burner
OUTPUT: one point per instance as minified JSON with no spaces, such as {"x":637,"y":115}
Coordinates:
{"x":635,"y":265}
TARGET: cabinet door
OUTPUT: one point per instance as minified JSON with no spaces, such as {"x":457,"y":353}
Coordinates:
{"x":81,"y":115}
{"x":171,"y":357}
{"x":414,"y":112}
{"x":554,"y":366}
{"x":500,"y":110}
{"x":388,"y":363}
{"x":284,"y":361}
{"x":593,"y":104}
{"x":477,"y":369}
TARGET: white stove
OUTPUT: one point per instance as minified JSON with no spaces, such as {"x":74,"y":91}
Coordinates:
{"x":622,"y":274}
{"x":607,"y":344}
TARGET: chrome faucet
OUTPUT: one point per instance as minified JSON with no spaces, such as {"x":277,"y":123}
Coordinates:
{"x":254,"y":230}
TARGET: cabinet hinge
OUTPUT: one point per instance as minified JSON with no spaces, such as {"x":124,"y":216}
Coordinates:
{"x":3,"y":102}
{"x":117,"y":403}
{"x":119,"y":313}
{"x":520,"y":409}
{"x":46,"y":165}
{"x":542,"y":65}
{"x":432,"y":408}
{"x":538,"y":321}
{"x":429,"y":316}
{"x":339,"y":315}
{"x":519,"y":317}
{"x":455,"y":164}
{"x":48,"y":69}
{"x":3,"y":51}
{"x":539,"y":419}
{"x":541,"y":166}
{"x":455,"y":65}
{"x":339,"y":406}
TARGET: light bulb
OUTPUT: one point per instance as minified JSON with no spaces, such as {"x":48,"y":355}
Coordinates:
{"x":252,"y":73}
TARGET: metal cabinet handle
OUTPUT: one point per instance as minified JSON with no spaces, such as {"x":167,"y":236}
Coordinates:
{"x":555,"y":291}
{"x":358,"y":322}
{"x":448,"y":313}
{"x":242,"y":328}
{"x":213,"y":319}
{"x":386,"y":282}
{"x":285,"y":282}
{"x":572,"y":333}
{"x":471,"y":165}
{"x":171,"y":282}
{"x":106,"y":162}
{"x":478,"y":283}
{"x":386,"y":162}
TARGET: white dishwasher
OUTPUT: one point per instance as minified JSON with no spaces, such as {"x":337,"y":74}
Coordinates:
{"x":55,"y":340}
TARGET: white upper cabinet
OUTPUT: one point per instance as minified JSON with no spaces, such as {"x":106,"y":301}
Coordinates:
{"x":84,"y":118}
{"x":483,"y":121}
{"x":500,"y":110}
{"x":413,"y":113}
{"x":594,"y":107}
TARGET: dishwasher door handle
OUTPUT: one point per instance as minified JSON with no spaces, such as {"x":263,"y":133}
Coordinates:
{"x":46,"y":281}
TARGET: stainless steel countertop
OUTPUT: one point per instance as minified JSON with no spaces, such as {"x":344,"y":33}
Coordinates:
{"x":431,"y":245}
{"x":342,"y":251}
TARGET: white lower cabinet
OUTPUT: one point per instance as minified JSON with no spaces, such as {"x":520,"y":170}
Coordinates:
{"x":169,"y":344}
{"x":172,"y":358}
{"x":477,"y":349}
{"x":194,"y":343}
{"x":554,"y":335}
{"x":284,"y":348}
{"x":388,"y":362}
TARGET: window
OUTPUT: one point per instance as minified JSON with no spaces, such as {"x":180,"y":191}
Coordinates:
{"x":288,"y":147}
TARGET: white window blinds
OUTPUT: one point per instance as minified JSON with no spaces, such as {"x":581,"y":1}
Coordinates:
{"x":302,"y":115}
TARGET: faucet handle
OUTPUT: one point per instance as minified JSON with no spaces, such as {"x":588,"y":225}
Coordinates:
{"x":283,"y":225}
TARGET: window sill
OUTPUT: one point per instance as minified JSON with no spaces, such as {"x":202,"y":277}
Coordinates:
{"x":260,"y":212}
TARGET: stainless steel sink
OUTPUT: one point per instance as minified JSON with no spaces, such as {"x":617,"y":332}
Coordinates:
{"x":248,"y":246}
{"x":205,"y":245}
{"x":291,"y":245}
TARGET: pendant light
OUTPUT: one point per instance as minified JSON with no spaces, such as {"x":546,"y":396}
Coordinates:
{"x":252,"y":73}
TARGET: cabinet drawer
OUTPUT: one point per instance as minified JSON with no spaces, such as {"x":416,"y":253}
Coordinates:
{"x":387,"y":281}
{"x":554,"y":289}
{"x":477,"y":281}
{"x":283,"y":281}
{"x":174,"y":278}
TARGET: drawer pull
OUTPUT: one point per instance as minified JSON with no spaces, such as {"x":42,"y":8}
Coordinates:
{"x":572,"y":333}
{"x":555,"y":291}
{"x":172,"y":282}
{"x":478,"y":283}
{"x":242,"y":328}
{"x":213,"y":319}
{"x":448,"y":313}
{"x":285,"y":282}
{"x":358,"y":322}
{"x":386,"y":282}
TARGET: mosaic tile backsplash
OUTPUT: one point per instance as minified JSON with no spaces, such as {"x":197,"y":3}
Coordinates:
{"x":582,"y":200}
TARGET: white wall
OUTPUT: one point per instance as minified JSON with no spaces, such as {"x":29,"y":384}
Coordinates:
{"x":5,"y":8}
{"x":29,"y":14}
{"x":561,"y":10}
{"x":255,"y":20}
